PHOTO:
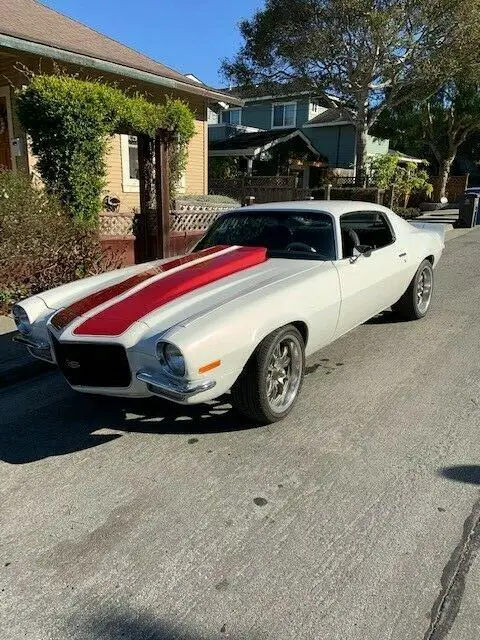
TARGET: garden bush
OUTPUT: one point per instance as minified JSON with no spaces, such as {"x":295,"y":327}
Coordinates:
{"x":409,"y":182}
{"x":40,"y":245}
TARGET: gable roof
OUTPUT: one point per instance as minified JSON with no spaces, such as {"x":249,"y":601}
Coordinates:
{"x":30,"y":21}
{"x":332,"y":117}
{"x":277,"y":91}
{"x":254,"y":143}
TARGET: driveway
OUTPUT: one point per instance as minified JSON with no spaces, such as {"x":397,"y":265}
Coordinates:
{"x":354,"y":519}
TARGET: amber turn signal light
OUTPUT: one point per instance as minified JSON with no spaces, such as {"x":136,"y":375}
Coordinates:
{"x":210,"y":366}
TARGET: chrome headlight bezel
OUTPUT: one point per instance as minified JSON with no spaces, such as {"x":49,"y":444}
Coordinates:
{"x":171,"y":359}
{"x":22,"y":321}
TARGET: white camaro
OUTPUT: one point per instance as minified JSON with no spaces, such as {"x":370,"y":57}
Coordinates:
{"x":267,"y":286}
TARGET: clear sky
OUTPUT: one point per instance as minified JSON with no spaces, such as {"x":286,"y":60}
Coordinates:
{"x":191,"y":36}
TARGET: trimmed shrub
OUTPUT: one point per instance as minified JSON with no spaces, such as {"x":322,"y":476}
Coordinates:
{"x":40,"y":245}
{"x":206,"y":200}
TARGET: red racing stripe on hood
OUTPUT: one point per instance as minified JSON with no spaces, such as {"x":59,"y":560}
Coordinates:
{"x":116,"y":319}
{"x":67,"y":315}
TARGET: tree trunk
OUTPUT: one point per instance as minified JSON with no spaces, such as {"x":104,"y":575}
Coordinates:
{"x":361,"y":143}
{"x":360,"y":157}
{"x":444,"y":173}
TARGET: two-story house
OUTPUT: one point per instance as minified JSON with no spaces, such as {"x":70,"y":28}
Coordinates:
{"x":298,"y":120}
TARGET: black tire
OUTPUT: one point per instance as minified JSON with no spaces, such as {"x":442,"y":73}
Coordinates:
{"x":249,"y":393}
{"x":409,"y":307}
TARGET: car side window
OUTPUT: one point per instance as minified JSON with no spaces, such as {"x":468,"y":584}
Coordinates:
{"x":369,"y":228}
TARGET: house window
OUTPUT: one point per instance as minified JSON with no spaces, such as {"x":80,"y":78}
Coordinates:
{"x":129,"y":154}
{"x":133,"y":157}
{"x":284,"y":115}
{"x":130,"y":168}
{"x":232,"y":116}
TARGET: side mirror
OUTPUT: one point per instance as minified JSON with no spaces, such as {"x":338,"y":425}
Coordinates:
{"x":364,"y":250}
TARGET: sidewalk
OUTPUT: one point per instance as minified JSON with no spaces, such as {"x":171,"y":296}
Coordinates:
{"x":447,"y":217}
{"x":17,"y":365}
{"x":15,"y":362}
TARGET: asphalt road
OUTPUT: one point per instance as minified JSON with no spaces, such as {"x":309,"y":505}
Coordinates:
{"x":355,"y":519}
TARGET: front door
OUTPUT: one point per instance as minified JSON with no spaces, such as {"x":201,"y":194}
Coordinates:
{"x":367,"y":286}
{"x":369,"y":283}
{"x":5,"y":155}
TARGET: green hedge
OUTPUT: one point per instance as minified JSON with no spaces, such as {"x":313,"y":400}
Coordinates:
{"x":70,"y":122}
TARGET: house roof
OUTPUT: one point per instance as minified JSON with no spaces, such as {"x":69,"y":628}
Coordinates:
{"x":332,"y":117}
{"x":272,"y":91}
{"x":31,"y":21}
{"x":254,"y":143}
{"x":250,"y":140}
{"x":404,"y":157}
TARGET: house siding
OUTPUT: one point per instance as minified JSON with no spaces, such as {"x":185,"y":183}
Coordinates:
{"x":196,"y":176}
{"x":377,"y":146}
{"x":259,"y":114}
{"x":303,"y":112}
{"x":337,"y":143}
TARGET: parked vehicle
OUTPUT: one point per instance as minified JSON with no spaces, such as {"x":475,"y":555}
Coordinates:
{"x":267,"y":286}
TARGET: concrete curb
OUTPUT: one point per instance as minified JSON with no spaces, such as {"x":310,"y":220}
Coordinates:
{"x":23,"y":367}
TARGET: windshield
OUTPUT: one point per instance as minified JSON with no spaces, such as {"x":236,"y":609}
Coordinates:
{"x":284,"y":234}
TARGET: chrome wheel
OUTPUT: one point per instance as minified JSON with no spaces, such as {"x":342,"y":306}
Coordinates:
{"x":284,"y":374}
{"x":424,"y":289}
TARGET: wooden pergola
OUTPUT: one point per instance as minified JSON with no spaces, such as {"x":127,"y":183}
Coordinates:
{"x":154,"y":194}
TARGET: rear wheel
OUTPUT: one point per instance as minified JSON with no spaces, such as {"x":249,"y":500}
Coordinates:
{"x":415,"y":302}
{"x":269,"y":385}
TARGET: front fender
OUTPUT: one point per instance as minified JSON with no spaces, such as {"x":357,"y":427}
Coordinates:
{"x":232,"y":332}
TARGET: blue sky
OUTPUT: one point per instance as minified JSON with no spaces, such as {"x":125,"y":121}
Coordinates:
{"x":189,"y":35}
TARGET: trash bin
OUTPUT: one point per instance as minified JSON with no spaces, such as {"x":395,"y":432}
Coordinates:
{"x":468,"y":211}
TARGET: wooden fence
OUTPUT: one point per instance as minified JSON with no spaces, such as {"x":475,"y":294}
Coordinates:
{"x":265,"y":189}
{"x":456,"y":185}
{"x":262,"y":188}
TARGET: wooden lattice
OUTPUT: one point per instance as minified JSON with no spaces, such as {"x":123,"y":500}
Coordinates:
{"x":116,"y":224}
{"x":192,"y":220}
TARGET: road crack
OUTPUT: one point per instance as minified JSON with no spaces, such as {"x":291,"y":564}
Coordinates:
{"x":447,"y":605}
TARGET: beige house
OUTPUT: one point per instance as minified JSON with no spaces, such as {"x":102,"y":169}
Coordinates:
{"x":36,"y":38}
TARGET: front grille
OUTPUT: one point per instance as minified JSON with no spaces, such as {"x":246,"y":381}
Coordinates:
{"x":93,"y":365}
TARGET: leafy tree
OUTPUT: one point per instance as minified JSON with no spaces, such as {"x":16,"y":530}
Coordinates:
{"x":371,"y":54}
{"x":405,"y":178}
{"x":441,"y":124}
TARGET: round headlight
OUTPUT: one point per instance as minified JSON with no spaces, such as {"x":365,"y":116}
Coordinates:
{"x":21,"y":319}
{"x":171,"y":357}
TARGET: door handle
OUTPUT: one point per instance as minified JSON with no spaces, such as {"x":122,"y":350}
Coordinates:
{"x":402,"y":255}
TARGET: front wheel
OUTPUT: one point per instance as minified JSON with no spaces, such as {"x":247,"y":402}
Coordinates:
{"x":270,"y":383}
{"x":415,"y":302}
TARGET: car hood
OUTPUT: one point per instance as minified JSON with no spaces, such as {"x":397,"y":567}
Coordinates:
{"x":258,"y":280}
{"x":175,"y":292}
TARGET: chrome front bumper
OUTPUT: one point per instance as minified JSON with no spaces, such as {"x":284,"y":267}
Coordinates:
{"x":177,"y":390}
{"x":38,"y":349}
